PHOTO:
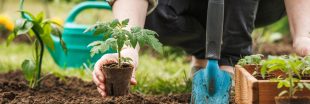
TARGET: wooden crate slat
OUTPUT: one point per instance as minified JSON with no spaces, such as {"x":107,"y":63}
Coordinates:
{"x":249,"y":90}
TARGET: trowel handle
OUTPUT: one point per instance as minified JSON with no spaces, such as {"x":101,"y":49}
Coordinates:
{"x":215,"y":21}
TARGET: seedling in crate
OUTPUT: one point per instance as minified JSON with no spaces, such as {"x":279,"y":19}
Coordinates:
{"x":291,"y":66}
{"x":116,"y":37}
{"x":39,"y":29}
{"x":251,"y":62}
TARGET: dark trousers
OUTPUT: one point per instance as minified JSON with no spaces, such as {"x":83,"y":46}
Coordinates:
{"x":182,"y":23}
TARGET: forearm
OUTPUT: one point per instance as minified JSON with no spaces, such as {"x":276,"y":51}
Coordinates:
{"x":298,"y":14}
{"x":135,"y":11}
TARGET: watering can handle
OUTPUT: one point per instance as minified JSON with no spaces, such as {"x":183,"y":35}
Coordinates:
{"x":86,"y":5}
{"x":215,"y":22}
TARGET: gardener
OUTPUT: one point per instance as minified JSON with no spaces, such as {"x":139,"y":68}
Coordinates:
{"x":182,"y":23}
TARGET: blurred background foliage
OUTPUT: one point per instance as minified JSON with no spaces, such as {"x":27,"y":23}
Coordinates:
{"x":157,"y":74}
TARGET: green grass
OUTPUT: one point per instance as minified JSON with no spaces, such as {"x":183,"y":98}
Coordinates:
{"x":154,"y":75}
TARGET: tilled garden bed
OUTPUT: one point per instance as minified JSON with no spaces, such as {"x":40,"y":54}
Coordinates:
{"x":13,"y":89}
{"x":54,"y":90}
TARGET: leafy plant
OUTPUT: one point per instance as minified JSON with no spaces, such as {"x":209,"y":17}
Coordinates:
{"x":306,"y":66}
{"x":251,"y":60}
{"x":39,"y":29}
{"x":116,"y":37}
{"x":290,"y":65}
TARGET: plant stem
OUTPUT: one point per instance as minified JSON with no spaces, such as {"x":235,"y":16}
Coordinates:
{"x":37,"y":82}
{"x":291,"y":83}
{"x":119,"y":57}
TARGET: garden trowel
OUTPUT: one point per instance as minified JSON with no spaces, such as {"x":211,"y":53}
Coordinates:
{"x":212,"y":85}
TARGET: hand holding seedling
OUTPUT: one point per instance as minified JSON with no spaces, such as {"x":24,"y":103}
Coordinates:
{"x":118,"y":38}
{"x":98,"y":76}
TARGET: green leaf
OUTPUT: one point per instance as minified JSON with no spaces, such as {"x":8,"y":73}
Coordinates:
{"x":280,"y":85}
{"x":125,"y":22}
{"x":111,"y":42}
{"x":53,"y":23}
{"x":286,"y":83}
{"x":135,"y":29}
{"x":31,"y":33}
{"x":99,"y":31}
{"x":94,"y":50}
{"x":95,"y":43}
{"x":38,"y":28}
{"x":283,"y":92}
{"x":300,"y":85}
{"x":307,"y":85}
{"x":39,"y":17}
{"x":63,"y":45}
{"x":10,"y":38}
{"x":29,"y":14}
{"x":114,"y":23}
{"x":133,"y":39}
{"x":23,"y":26}
{"x":56,"y":31}
{"x":46,"y":37}
{"x":28,"y":67}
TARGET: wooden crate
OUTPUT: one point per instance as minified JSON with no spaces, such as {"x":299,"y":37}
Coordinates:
{"x":249,"y":90}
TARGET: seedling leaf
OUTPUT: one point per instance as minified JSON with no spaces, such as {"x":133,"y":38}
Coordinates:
{"x":28,"y":67}
{"x":283,"y":92}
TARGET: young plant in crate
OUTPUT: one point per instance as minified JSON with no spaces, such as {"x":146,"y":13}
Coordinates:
{"x":252,"y":63}
{"x":40,"y":30}
{"x":292,"y":67}
{"x":116,"y":37}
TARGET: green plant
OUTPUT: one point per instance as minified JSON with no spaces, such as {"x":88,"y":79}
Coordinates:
{"x":116,"y":37}
{"x":251,"y":60}
{"x":39,"y":29}
{"x":306,"y":66}
{"x":290,"y":65}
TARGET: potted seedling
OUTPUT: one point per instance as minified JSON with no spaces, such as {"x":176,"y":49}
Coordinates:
{"x":116,"y":36}
{"x":39,"y":30}
{"x":252,"y":63}
{"x":263,"y":89}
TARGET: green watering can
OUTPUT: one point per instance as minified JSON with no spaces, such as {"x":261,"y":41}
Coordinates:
{"x":76,"y":40}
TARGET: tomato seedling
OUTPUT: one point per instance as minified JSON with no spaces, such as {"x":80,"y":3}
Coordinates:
{"x":116,"y":37}
{"x":292,"y":66}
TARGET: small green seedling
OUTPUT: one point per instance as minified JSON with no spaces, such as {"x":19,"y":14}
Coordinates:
{"x":290,"y":65}
{"x":306,"y":66}
{"x":251,"y":60}
{"x":116,"y":36}
{"x":39,"y":29}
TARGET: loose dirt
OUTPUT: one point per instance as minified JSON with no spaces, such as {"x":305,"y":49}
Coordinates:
{"x":54,"y":90}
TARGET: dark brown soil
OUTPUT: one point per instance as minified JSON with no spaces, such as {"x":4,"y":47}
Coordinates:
{"x":117,"y":78}
{"x":277,"y":49}
{"x":306,"y":77}
{"x":13,"y":89}
{"x":292,"y":100}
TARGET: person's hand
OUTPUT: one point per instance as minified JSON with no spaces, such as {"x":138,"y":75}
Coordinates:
{"x":302,"y":45}
{"x":98,"y":76}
